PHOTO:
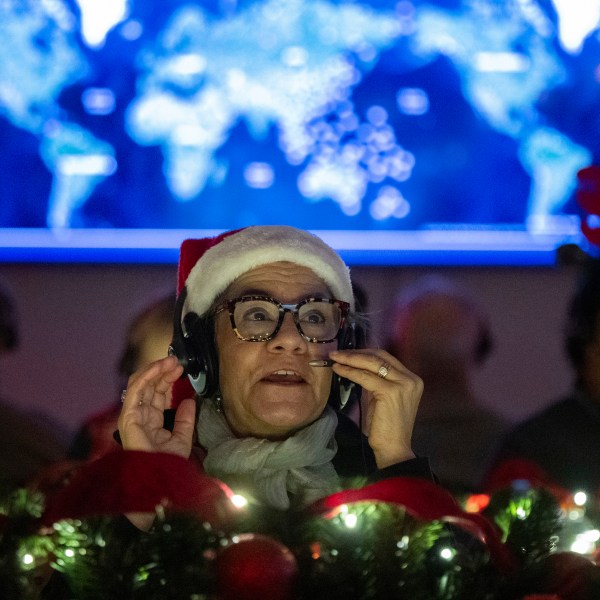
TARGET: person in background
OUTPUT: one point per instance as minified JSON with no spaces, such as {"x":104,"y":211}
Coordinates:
{"x":148,"y":339}
{"x":439,"y":331}
{"x":560,"y":445}
{"x":28,"y":442}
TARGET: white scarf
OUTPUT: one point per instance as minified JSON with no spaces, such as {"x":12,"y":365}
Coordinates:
{"x":299,"y":465}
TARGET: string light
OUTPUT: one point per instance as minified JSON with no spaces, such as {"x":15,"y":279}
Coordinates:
{"x":27,"y":559}
{"x":521,"y":513}
{"x":350,"y":520}
{"x":239,"y":501}
{"x":585,"y":543}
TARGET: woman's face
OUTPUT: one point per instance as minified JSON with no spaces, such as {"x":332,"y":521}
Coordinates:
{"x":268,"y":388}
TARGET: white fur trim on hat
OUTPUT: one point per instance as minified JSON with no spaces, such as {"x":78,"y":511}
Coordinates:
{"x":258,"y":245}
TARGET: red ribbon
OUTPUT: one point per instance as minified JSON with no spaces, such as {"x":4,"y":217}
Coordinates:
{"x":425,"y":501}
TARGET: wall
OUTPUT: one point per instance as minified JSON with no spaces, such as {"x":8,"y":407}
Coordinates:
{"x":74,"y":318}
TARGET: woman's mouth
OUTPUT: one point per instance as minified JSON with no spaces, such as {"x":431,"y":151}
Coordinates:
{"x":284,"y":376}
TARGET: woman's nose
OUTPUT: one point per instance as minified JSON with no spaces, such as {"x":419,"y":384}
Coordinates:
{"x":288,"y":335}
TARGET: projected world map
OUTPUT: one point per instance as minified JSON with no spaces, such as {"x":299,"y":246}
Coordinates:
{"x":319,"y":113}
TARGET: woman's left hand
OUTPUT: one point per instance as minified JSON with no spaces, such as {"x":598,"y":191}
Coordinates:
{"x":394,"y":393}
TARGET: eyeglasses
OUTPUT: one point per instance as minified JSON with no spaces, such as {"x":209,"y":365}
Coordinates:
{"x":259,"y":318}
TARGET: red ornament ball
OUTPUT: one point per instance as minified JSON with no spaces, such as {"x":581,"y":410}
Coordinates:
{"x":571,"y":575}
{"x":564,"y":575}
{"x":256,"y":567}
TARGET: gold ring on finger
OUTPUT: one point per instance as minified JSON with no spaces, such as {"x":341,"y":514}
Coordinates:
{"x":383,"y":371}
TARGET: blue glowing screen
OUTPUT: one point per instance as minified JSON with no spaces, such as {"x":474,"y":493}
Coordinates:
{"x":403,"y":131}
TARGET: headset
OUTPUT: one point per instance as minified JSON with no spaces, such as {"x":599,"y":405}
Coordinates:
{"x":193,"y":344}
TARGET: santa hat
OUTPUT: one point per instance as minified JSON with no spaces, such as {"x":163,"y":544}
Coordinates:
{"x":208,"y":266}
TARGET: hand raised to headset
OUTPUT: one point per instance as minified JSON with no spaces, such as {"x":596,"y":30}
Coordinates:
{"x":394,"y":394}
{"x":147,"y":396}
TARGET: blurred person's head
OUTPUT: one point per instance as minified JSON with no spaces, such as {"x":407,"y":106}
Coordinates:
{"x":9,"y":331}
{"x":583,"y":330}
{"x":438,"y":330}
{"x":148,"y":336}
{"x":148,"y":339}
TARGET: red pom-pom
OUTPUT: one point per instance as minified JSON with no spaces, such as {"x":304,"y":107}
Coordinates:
{"x":254,"y":568}
{"x":570,"y":575}
{"x":562,"y":575}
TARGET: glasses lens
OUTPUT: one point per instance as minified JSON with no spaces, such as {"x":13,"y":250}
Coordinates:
{"x":255,"y":319}
{"x":319,"y":320}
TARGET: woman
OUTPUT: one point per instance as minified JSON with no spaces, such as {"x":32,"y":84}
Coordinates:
{"x":265,"y":313}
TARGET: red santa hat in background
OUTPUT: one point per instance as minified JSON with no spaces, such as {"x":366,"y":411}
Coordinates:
{"x":207,"y":266}
{"x":588,"y":198}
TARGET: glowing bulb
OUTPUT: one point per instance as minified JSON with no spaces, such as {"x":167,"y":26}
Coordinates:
{"x":582,"y":546}
{"x":593,"y":535}
{"x":350,"y":520}
{"x":70,"y":553}
{"x":580,"y":498}
{"x":477,"y":502}
{"x":521,"y":513}
{"x":446,"y":553}
{"x":238,"y":501}
{"x":27,"y":559}
{"x":575,"y":515}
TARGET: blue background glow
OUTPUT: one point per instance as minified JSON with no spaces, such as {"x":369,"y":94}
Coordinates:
{"x":447,"y":131}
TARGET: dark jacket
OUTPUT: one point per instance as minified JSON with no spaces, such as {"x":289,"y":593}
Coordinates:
{"x":563,"y":440}
{"x":355,"y":457}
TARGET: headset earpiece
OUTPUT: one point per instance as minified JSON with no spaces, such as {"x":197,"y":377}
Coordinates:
{"x":193,"y":345}
{"x":344,"y":391}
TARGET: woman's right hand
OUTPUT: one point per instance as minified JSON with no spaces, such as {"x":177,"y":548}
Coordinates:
{"x":147,"y":396}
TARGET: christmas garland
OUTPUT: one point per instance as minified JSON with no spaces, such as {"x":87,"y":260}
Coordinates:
{"x":399,"y":538}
